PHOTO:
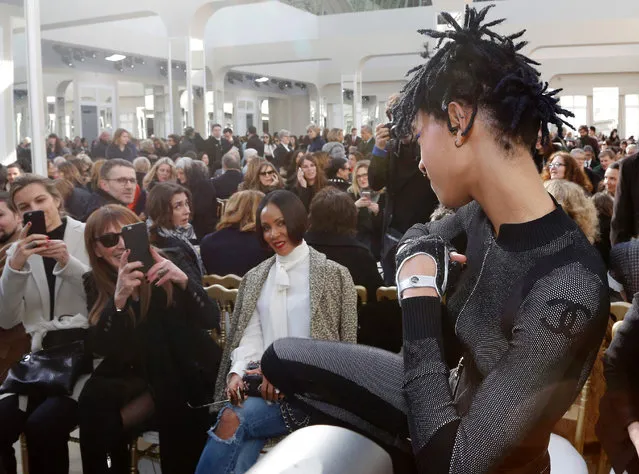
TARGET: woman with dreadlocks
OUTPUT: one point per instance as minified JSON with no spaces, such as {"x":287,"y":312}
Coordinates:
{"x":529,"y":310}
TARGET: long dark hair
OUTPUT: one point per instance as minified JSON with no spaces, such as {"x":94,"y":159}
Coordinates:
{"x":158,"y":204}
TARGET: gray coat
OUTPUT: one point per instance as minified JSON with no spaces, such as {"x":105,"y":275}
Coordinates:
{"x":333,"y":307}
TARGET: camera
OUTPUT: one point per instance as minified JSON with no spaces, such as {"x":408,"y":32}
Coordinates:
{"x":392,"y":130}
{"x":252,"y":382}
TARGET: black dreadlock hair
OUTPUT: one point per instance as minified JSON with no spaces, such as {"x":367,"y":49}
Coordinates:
{"x":481,"y":68}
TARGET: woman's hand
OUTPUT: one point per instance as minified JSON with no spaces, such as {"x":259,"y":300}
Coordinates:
{"x":27,"y":245}
{"x":300,"y":178}
{"x":165,"y":270}
{"x":129,"y":278}
{"x":56,"y":249}
{"x":374,"y":208}
{"x":268,"y":391}
{"x":235,"y":389}
{"x":362,"y":202}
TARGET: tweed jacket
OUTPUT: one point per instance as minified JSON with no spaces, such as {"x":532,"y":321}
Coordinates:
{"x":333,"y":307}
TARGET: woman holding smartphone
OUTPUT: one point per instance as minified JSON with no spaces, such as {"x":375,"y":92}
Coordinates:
{"x":42,"y":281}
{"x":370,"y":208}
{"x":150,"y":328}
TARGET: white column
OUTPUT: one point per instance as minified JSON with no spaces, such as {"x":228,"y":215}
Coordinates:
{"x":621,"y":125}
{"x":7,"y":117}
{"x":189,"y":84}
{"x":34,"y":81}
{"x":170,"y":77}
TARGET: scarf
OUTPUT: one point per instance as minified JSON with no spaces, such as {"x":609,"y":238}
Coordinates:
{"x":185,"y":234}
{"x":278,"y":310}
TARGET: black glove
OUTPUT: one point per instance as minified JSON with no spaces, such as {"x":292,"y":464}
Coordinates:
{"x":435,"y":247}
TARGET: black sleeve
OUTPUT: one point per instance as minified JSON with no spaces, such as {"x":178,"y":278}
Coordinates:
{"x":622,"y":224}
{"x":305,"y":195}
{"x":113,"y":335}
{"x":378,"y":172}
{"x":620,"y":362}
{"x":204,"y":209}
{"x":197,"y":305}
{"x":515,"y":394}
{"x":449,"y":227}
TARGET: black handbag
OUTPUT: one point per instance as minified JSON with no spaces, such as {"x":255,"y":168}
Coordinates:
{"x":51,"y":372}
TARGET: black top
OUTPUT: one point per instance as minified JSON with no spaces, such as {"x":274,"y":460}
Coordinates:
{"x":339,"y":183}
{"x":529,"y":311}
{"x":97,"y":200}
{"x":409,"y":197}
{"x":231,"y":251}
{"x":129,"y":153}
{"x":49,"y":264}
{"x":226,"y":184}
{"x":204,"y":207}
{"x":99,"y":150}
{"x":350,"y":253}
{"x":76,"y":204}
{"x":257,"y":144}
{"x":213,"y":148}
{"x":625,"y":218}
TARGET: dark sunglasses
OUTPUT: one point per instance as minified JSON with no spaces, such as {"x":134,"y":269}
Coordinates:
{"x":267,"y":173}
{"x":109,"y":240}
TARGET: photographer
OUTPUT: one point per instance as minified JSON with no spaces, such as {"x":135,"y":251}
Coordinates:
{"x":409,"y":197}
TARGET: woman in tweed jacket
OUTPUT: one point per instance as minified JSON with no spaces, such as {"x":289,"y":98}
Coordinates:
{"x":298,"y":292}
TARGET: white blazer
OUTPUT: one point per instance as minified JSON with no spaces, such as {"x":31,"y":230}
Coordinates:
{"x":24,"y":294}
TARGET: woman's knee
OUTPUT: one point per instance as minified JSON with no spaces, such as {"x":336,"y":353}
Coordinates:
{"x":227,"y":425}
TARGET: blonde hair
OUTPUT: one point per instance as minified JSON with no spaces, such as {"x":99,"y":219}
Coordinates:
{"x":355,"y":186}
{"x":142,"y":164}
{"x":333,"y":135}
{"x":241,"y":210}
{"x":95,"y":173}
{"x":153,"y":172}
{"x":577,"y":205}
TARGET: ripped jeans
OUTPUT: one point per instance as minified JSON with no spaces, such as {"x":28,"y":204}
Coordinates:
{"x":259,"y":421}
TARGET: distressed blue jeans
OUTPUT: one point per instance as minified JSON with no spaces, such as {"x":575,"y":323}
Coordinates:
{"x":259,"y":421}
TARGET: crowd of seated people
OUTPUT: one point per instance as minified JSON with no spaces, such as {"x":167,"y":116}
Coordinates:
{"x":302,"y":220}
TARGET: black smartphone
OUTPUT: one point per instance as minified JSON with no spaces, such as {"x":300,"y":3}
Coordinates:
{"x":38,"y":225}
{"x":136,"y":239}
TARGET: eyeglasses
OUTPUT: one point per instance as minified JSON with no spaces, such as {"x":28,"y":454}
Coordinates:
{"x":267,"y":173}
{"x":124,"y":181}
{"x":362,"y":175}
{"x":109,"y":240}
{"x":555,"y":165}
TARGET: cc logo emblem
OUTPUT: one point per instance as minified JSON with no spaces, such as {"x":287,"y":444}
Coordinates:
{"x":568,"y":317}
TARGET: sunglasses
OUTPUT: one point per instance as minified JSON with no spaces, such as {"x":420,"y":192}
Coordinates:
{"x":267,"y":173}
{"x":109,"y":240}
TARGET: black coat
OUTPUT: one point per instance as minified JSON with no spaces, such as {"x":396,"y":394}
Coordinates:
{"x":129,"y":153}
{"x":620,"y":404}
{"x":179,"y":252}
{"x":339,"y":183}
{"x":231,"y":251}
{"x":366,"y":148}
{"x":350,"y":253}
{"x":409,"y":197}
{"x":257,"y":144}
{"x":99,"y":150}
{"x":213,"y":148}
{"x":77,"y":203}
{"x":226,"y":184}
{"x":316,"y":144}
{"x":97,"y":200}
{"x":625,"y":218}
{"x":369,"y":226}
{"x":204,"y":209}
{"x":281,"y":157}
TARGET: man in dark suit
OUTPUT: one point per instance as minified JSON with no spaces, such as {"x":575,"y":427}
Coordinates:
{"x":99,"y":149}
{"x":227,"y":183}
{"x":368,"y":141}
{"x":352,"y":139}
{"x":254,"y":141}
{"x":229,"y":141}
{"x":625,"y":218}
{"x":409,"y":197}
{"x":212,"y":146}
{"x":586,"y":139}
{"x":282,"y":151}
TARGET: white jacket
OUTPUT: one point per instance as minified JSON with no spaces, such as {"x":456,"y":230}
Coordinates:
{"x":24,"y":295}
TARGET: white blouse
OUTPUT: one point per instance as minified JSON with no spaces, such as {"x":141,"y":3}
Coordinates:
{"x":264,"y":327}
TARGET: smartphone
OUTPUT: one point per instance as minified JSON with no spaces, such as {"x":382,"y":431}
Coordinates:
{"x":366,"y":194}
{"x":38,"y":225}
{"x":136,"y":239}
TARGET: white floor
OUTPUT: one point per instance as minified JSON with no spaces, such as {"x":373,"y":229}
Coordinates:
{"x":145,"y":466}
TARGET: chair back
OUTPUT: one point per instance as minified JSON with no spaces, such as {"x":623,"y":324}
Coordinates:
{"x":225,"y":299}
{"x":229,"y":281}
{"x":386,"y":293}
{"x":221,"y":207}
{"x":362,"y":294}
